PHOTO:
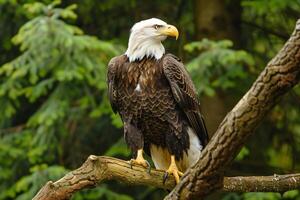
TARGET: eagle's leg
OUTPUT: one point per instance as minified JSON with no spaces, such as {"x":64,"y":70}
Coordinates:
{"x":134,"y":139}
{"x":140,"y":161}
{"x":173,"y":170}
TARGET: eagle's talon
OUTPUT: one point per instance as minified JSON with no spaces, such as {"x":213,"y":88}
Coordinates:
{"x":177,"y":174}
{"x":172,"y":170}
{"x":140,"y":161}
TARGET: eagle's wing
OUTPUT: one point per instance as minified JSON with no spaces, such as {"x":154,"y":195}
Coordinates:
{"x":111,"y":81}
{"x":185,"y":95}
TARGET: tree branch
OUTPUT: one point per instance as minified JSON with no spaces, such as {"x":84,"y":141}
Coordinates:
{"x":275,"y":183}
{"x":279,"y":76}
{"x":100,"y":168}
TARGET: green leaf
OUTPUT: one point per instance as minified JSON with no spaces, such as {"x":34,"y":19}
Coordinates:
{"x":242,"y":154}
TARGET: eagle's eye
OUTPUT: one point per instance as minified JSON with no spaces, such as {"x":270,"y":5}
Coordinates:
{"x":156,"y":26}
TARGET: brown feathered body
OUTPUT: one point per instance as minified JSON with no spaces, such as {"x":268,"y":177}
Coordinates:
{"x":157,"y":102}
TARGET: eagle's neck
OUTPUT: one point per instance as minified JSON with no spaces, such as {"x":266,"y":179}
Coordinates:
{"x":140,"y":47}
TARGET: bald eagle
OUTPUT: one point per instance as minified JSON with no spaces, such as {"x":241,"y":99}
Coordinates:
{"x":157,"y":101}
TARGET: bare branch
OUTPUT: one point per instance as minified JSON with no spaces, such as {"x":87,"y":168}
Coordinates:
{"x":100,"y":168}
{"x":275,"y":183}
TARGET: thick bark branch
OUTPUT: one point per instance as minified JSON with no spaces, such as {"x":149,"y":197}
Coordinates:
{"x":279,"y":76}
{"x":98,"y":169}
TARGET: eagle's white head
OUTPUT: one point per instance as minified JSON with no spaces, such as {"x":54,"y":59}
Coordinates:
{"x":146,"y":37}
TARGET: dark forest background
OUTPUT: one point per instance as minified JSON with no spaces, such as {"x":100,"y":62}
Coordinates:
{"x":54,"y":110}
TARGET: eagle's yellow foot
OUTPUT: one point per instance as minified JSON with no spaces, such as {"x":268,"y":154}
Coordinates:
{"x":173,"y":170}
{"x":140,"y":161}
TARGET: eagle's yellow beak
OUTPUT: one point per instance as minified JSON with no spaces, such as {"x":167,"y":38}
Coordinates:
{"x":169,"y":30}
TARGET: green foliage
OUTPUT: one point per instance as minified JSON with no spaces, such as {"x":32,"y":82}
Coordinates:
{"x":102,"y":192}
{"x":294,"y":194}
{"x":217,"y":66}
{"x":56,"y":58}
{"x":261,"y":196}
{"x":61,"y":72}
{"x":270,"y":23}
{"x":242,"y":154}
{"x":19,"y":156}
{"x":273,"y":6}
{"x":118,"y":149}
{"x":27,"y":186}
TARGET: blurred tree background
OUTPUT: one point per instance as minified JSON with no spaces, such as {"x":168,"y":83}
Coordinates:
{"x":53,"y":103}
